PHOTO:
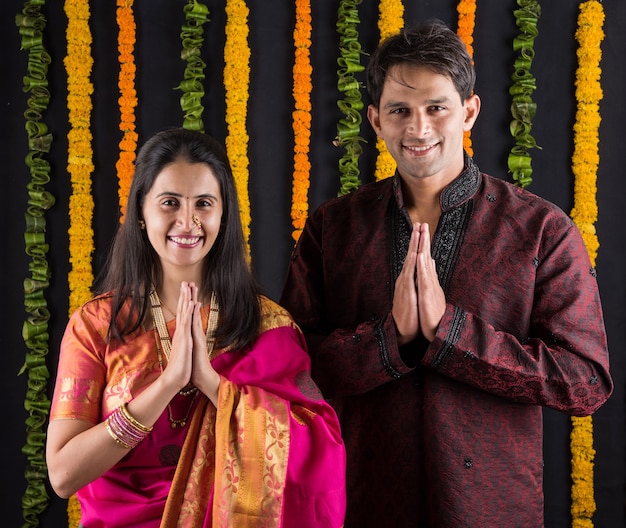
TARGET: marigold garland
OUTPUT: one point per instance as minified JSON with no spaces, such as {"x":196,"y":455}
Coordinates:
{"x":31,"y":24}
{"x":585,"y":160}
{"x":390,"y":22}
{"x":302,"y":87}
{"x":236,"y":83}
{"x":349,"y":127}
{"x":78,"y":64}
{"x":465,"y":30}
{"x":522,"y":107}
{"x":196,"y":15}
{"x":127,"y":101}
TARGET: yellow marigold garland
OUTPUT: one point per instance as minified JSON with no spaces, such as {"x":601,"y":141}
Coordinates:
{"x":585,"y":160}
{"x":31,"y":24}
{"x":127,"y":100}
{"x":465,"y":30}
{"x":78,"y":63}
{"x":390,"y":22}
{"x":236,"y":83}
{"x":302,"y":87}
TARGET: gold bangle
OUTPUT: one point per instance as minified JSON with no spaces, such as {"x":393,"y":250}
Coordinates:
{"x":132,"y":420}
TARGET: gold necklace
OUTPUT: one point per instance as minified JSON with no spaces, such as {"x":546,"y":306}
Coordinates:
{"x":164,"y":344}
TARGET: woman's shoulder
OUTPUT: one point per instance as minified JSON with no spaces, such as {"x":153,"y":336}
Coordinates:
{"x":98,"y":307}
{"x":97,"y":311}
{"x":273,"y":315}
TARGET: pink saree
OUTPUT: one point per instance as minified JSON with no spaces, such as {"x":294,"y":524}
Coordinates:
{"x":271,"y":455}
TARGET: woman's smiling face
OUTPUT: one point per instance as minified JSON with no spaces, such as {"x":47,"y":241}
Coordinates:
{"x":183,"y":213}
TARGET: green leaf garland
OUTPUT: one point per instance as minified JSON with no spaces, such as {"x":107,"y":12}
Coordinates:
{"x":349,"y":127}
{"x":196,"y":15}
{"x":523,"y":108}
{"x":31,"y":24}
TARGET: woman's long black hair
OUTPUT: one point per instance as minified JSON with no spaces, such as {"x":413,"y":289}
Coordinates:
{"x":133,"y":266}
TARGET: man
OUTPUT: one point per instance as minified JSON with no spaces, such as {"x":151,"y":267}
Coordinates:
{"x":442,"y":308}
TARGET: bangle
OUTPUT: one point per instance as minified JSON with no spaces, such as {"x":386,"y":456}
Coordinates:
{"x":124,"y":429}
{"x":134,"y":422}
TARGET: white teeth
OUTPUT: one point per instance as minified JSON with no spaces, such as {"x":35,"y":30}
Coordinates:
{"x":419,"y":149}
{"x":186,"y":241}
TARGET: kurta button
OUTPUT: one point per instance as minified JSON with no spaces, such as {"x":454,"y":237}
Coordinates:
{"x":468,"y":463}
{"x":593,"y":380}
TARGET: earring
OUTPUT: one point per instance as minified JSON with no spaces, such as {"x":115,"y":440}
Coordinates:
{"x":142,"y":225}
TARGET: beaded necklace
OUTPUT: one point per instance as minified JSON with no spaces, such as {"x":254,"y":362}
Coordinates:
{"x":164,"y":347}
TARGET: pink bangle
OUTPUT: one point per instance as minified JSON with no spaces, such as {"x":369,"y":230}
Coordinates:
{"x":124,"y":429}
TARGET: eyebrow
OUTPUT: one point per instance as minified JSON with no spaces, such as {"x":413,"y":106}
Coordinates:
{"x":178,"y":195}
{"x":400,"y":104}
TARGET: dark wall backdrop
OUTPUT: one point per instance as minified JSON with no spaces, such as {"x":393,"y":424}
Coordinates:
{"x":159,"y":71}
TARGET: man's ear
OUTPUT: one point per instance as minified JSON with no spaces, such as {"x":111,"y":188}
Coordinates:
{"x":472,"y":109}
{"x":374,"y":118}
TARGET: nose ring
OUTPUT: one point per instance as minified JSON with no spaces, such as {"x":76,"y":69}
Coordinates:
{"x":196,"y":221}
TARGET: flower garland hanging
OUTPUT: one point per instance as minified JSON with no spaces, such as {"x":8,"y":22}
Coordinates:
{"x":31,"y":24}
{"x":390,"y":21}
{"x":236,"y":83}
{"x":78,"y":64}
{"x":465,"y":30}
{"x":127,"y":101}
{"x":349,"y":127}
{"x":522,"y":107}
{"x":196,"y":15}
{"x":585,"y":160}
{"x":302,"y":87}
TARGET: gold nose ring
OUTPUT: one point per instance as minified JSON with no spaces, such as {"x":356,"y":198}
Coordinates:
{"x":196,"y":221}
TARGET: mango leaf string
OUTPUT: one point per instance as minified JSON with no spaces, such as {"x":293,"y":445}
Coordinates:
{"x":31,"y":24}
{"x":192,"y":37}
{"x":522,"y":107}
{"x":349,"y":127}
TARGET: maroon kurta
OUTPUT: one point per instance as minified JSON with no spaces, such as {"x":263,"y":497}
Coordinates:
{"x":449,"y":434}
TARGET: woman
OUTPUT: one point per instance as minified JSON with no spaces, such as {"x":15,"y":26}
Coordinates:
{"x":183,"y":396}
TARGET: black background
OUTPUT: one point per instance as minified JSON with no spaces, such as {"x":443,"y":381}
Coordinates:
{"x":160,"y":70}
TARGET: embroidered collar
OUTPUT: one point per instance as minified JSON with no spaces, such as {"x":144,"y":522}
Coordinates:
{"x":459,"y":191}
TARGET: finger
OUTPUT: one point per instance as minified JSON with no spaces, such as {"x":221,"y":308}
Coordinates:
{"x":424,"y":239}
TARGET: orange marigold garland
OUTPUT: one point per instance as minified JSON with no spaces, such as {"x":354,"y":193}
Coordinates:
{"x":236,"y":83}
{"x":127,"y":100}
{"x":585,"y":160}
{"x":465,"y":30}
{"x":390,"y":22}
{"x":302,"y":87}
